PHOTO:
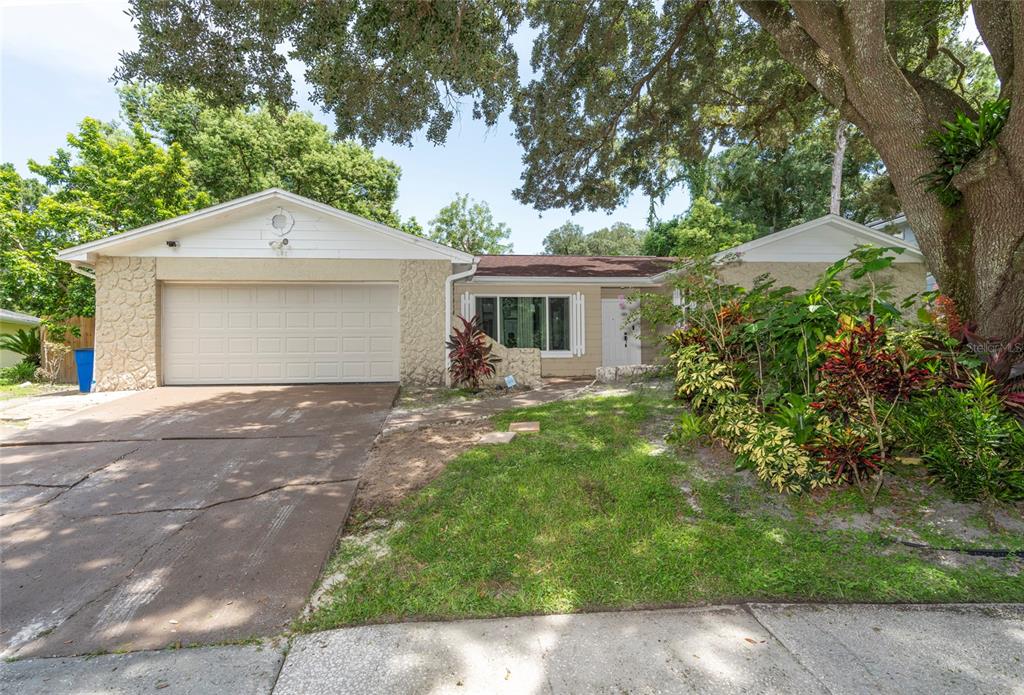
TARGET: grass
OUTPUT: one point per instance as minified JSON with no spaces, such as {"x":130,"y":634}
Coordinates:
{"x":588,"y":515}
{"x":8,"y":391}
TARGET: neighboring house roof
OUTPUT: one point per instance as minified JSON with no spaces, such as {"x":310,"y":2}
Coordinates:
{"x":562,"y":268}
{"x":826,"y":239}
{"x":199,"y":221}
{"x":891,"y":221}
{"x":8,"y":316}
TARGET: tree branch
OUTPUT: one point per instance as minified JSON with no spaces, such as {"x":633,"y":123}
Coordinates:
{"x":995,"y":25}
{"x":1011,"y":139}
{"x":677,"y":41}
{"x":797,"y":47}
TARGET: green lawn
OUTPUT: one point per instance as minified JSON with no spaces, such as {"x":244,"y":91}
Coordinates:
{"x":8,"y":391}
{"x":587,"y":515}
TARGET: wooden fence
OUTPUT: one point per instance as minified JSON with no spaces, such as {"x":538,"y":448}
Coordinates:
{"x":68,"y":374}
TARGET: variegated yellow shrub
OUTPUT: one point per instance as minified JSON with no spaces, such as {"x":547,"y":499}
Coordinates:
{"x":710,"y":387}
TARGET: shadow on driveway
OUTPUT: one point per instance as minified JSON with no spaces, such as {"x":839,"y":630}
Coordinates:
{"x":177,"y":515}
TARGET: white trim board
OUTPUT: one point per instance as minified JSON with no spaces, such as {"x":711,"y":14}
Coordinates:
{"x":643,"y":280}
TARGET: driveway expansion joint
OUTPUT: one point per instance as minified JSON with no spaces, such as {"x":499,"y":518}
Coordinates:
{"x":202,"y":508}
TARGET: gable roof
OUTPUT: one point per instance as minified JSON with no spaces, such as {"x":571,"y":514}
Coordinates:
{"x":86,"y":253}
{"x":773,"y":247}
{"x":544,"y":266}
{"x":18,"y":317}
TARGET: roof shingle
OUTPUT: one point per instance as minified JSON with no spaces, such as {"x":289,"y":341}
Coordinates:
{"x":571,"y":266}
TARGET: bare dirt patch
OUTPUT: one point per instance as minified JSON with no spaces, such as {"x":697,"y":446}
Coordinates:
{"x":404,"y":461}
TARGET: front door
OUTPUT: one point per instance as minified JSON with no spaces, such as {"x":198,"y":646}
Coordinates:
{"x":620,"y":341}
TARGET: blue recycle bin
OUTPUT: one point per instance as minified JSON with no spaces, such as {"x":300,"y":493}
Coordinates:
{"x":83,"y":362}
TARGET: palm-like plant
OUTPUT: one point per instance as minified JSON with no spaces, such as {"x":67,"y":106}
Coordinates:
{"x":470,"y":351}
{"x":24,"y":343}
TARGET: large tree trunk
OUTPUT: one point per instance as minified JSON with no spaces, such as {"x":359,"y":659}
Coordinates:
{"x":975,"y":250}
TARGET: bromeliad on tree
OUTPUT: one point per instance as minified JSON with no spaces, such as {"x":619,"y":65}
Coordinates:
{"x":469,"y":350}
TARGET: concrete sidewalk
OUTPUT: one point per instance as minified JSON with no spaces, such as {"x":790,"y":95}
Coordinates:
{"x":752,"y":648}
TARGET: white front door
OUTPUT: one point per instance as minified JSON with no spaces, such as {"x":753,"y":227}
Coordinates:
{"x":620,"y":342}
{"x":279,"y":333}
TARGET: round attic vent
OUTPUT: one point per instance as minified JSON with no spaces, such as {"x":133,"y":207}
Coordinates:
{"x":282,"y":222}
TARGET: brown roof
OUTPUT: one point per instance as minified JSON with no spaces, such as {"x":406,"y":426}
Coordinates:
{"x":572,"y":266}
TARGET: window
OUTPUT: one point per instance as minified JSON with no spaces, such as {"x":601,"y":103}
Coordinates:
{"x":525,"y":322}
{"x":487,"y":311}
{"x":558,"y":323}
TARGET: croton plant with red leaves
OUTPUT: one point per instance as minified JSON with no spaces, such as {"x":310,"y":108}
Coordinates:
{"x":861,"y":380}
{"x":851,"y":456}
{"x":859,"y":364}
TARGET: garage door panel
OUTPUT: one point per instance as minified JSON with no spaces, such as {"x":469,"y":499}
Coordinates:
{"x":327,"y":346}
{"x":380,"y":319}
{"x":279,"y":334}
{"x":297,"y":319}
{"x":325,"y":320}
{"x":239,"y":320}
{"x":269,"y":346}
{"x":326,"y":370}
{"x":211,"y":346}
{"x":268,"y":319}
{"x":380,"y":370}
{"x":269,"y":370}
{"x":242,"y":346}
{"x":296,"y":346}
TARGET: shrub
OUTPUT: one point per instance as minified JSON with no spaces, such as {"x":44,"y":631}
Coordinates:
{"x":17,"y":374}
{"x":23,"y":342}
{"x":470,"y":352}
{"x":847,"y":451}
{"x":53,"y":359}
{"x":794,"y":412}
{"x":968,"y":442}
{"x":733,"y":419}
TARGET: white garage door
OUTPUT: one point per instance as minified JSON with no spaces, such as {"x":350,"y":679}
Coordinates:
{"x":279,"y":334}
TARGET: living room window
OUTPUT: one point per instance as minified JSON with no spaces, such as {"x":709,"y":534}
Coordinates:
{"x":541,"y":322}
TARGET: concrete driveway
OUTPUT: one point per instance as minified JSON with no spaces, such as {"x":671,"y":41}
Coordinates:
{"x":187,"y":515}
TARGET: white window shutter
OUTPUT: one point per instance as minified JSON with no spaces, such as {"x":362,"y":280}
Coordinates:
{"x":578,"y":332}
{"x":467,"y":305}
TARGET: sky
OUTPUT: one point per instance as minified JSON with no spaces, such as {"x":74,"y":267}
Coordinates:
{"x":57,"y":56}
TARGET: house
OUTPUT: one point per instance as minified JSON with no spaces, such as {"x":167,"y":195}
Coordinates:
{"x":799,"y":255}
{"x":11,"y":322}
{"x":899,"y":226}
{"x":276,"y":288}
{"x":573,"y":311}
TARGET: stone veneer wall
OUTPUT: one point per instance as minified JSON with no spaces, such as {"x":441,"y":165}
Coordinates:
{"x":127,"y":324}
{"x":421,"y":301}
{"x":522,"y":363}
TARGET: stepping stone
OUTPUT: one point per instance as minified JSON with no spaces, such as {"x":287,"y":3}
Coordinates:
{"x":532,"y":426}
{"x":496,"y":438}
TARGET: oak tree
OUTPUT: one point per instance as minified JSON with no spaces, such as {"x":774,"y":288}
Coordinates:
{"x":624,"y":94}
